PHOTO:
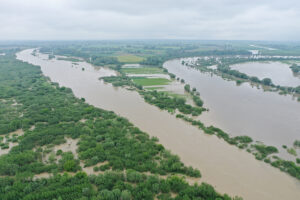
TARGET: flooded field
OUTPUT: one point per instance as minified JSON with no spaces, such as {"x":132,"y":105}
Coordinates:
{"x":7,"y":140}
{"x":280,"y":73}
{"x":226,"y":167}
{"x":243,"y":110}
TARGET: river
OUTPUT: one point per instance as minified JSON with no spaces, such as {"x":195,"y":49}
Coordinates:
{"x":244,"y":110}
{"x":227,"y":168}
{"x":280,"y":73}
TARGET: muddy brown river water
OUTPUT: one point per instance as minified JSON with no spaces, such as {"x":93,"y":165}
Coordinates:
{"x":227,"y":168}
{"x":244,"y":110}
{"x":280,"y":73}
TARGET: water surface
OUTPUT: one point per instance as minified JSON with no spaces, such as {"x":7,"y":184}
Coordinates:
{"x":226,"y":167}
{"x":280,"y":73}
{"x":243,"y":110}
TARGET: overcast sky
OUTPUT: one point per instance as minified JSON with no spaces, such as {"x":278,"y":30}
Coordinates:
{"x":151,"y":19}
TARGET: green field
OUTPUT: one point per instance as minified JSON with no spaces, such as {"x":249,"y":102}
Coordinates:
{"x":154,"y":88}
{"x":129,"y":58}
{"x":150,"y":81}
{"x":143,"y":70}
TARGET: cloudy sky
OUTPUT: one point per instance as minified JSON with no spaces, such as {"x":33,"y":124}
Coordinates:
{"x":151,"y":19}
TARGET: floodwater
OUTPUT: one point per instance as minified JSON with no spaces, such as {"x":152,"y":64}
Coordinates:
{"x":18,"y":133}
{"x":136,"y":65}
{"x":243,"y":110}
{"x":280,"y":73}
{"x":268,"y":48}
{"x":226,"y":167}
{"x":166,"y":76}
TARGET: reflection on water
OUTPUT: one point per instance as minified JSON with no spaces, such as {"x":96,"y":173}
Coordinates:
{"x":225,"y":167}
{"x":280,"y":73}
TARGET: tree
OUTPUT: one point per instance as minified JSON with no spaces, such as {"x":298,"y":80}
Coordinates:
{"x":267,"y":81}
{"x":125,"y":195}
{"x":187,"y":88}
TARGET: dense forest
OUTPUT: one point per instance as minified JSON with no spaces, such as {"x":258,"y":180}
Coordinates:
{"x":128,"y":164}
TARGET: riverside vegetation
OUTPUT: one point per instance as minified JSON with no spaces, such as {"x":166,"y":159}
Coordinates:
{"x":295,"y":68}
{"x":223,"y":69}
{"x":161,"y":100}
{"x":261,"y":152}
{"x":136,"y":166}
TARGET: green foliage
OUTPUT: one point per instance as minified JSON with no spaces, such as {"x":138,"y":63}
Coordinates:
{"x":267,"y":81}
{"x":295,"y":68}
{"x":166,"y":102}
{"x":122,"y":80}
{"x":153,"y":61}
{"x":226,"y":69}
{"x":68,"y":59}
{"x":197,"y":100}
{"x":223,"y":68}
{"x":287,"y":166}
{"x":187,"y":88}
{"x":59,"y":187}
{"x":161,"y":99}
{"x":292,"y":151}
{"x":103,"y":60}
{"x":297,"y":143}
{"x":104,"y":137}
{"x":150,"y":81}
{"x":243,"y":139}
{"x":68,"y":163}
{"x":27,"y":161}
{"x":264,"y":150}
{"x":255,"y":79}
{"x":50,"y":56}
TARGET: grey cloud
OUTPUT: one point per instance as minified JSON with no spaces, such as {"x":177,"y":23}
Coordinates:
{"x":155,"y":19}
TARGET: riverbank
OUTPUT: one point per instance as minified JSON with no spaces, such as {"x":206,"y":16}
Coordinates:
{"x":226,"y":167}
{"x":226,"y":67}
{"x":268,"y":154}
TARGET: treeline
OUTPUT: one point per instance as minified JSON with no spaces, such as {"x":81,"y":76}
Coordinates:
{"x":119,"y":81}
{"x":107,"y":186}
{"x":156,"y":53}
{"x":227,"y":70}
{"x":65,"y":51}
{"x":260,"y":151}
{"x":224,"y":63}
{"x":166,"y":102}
{"x":153,"y":60}
{"x":224,"y":68}
{"x":104,"y":60}
{"x":295,"y":68}
{"x":181,"y":53}
{"x":195,"y":95}
{"x":266,"y":81}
